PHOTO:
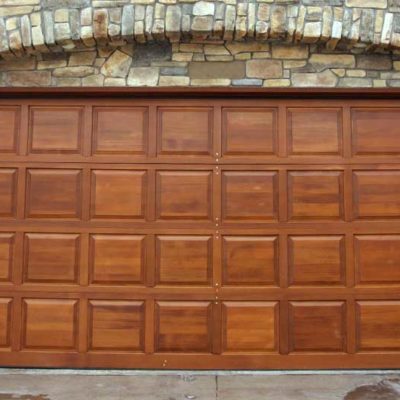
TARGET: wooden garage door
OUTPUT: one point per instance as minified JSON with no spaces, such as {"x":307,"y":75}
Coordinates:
{"x":159,"y":233}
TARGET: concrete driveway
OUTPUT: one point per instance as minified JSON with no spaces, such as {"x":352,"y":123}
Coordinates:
{"x":115,"y":385}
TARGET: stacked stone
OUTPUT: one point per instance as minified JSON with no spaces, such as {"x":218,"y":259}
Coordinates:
{"x":40,"y":26}
{"x":204,"y":64}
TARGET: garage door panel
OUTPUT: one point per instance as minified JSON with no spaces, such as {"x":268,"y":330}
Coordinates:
{"x":375,"y":131}
{"x":184,"y":259}
{"x":120,"y":130}
{"x":249,"y":196}
{"x":5,"y":322}
{"x":316,"y":260}
{"x":116,"y":325}
{"x":250,"y":326}
{"x":53,"y":193}
{"x":378,"y":325}
{"x":56,"y":130}
{"x":208,"y":233}
{"x":183,"y":327}
{"x":317,"y":326}
{"x":376,"y":194}
{"x":184,"y":195}
{"x":377,"y":259}
{"x":315,"y":131}
{"x":50,"y":324}
{"x":315,"y":195}
{"x":119,"y":194}
{"x":249,"y":131}
{"x":7,"y":248}
{"x":8,"y":192}
{"x":117,"y":259}
{"x":9,"y":129}
{"x":51,"y":258}
{"x":185,"y":131}
{"x":250,"y":260}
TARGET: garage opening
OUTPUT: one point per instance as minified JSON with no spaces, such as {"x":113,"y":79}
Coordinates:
{"x":207,"y":232}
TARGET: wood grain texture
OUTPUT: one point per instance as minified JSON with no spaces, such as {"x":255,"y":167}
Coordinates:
{"x":199,"y":232}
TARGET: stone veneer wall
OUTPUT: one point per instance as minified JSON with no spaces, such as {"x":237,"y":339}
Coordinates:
{"x":271,"y":43}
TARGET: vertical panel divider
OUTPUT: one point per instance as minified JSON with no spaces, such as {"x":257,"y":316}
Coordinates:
{"x":152,"y":132}
{"x":83,"y":324}
{"x":87,"y":131}
{"x":349,"y":259}
{"x":283,"y":194}
{"x":21,"y":193}
{"x":348,"y":194}
{"x":217,"y":132}
{"x":86,"y":187}
{"x":24,"y":131}
{"x":216,"y":331}
{"x":149,"y":326}
{"x":347,"y":140}
{"x":18,"y":257}
{"x":283,"y":260}
{"x":351,"y":325}
{"x":282,"y":131}
{"x":151,"y":194}
{"x":16,"y":323}
{"x":84,"y":259}
{"x":150,"y":272}
{"x":283,"y":325}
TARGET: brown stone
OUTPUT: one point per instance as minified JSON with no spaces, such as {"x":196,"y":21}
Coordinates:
{"x":217,"y":70}
{"x":28,"y":78}
{"x":378,"y":62}
{"x":117,"y":65}
{"x":290,"y":52}
{"x":264,"y":69}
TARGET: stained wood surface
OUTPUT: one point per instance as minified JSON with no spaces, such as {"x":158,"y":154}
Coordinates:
{"x":200,"y":233}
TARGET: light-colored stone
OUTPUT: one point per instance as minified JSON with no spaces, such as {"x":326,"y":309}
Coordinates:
{"x":367,"y":3}
{"x":117,"y":66}
{"x":204,"y":8}
{"x":289,"y":51}
{"x":114,"y":82}
{"x":320,"y":79}
{"x":322,"y":61}
{"x":173,"y":81}
{"x":210,"y":82}
{"x":73,"y":72}
{"x":264,"y":69}
{"x":253,"y":46}
{"x":93,"y":80}
{"x":51,"y":64}
{"x":143,"y":76}
{"x":276,"y":83}
{"x":28,"y":78}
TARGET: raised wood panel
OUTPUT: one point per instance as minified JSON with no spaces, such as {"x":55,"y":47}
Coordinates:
{"x":184,"y":260}
{"x":50,"y":324}
{"x":250,"y":326}
{"x":5,"y":322}
{"x":9,"y":129}
{"x":118,"y":194}
{"x":117,"y":259}
{"x":316,"y":260}
{"x":183,"y":326}
{"x":55,"y":130}
{"x":375,"y":131}
{"x":53,"y":193}
{"x":317,"y":326}
{"x":315,"y":195}
{"x":249,"y":131}
{"x":8,"y":187}
{"x":315,"y":131}
{"x":120,"y":130}
{"x":249,"y":195}
{"x":378,"y":325}
{"x":116,"y":325}
{"x":7,"y":241}
{"x":184,"y":195}
{"x":376,"y":194}
{"x":51,"y":258}
{"x":377,"y":259}
{"x":250,"y":260}
{"x":185,"y":131}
